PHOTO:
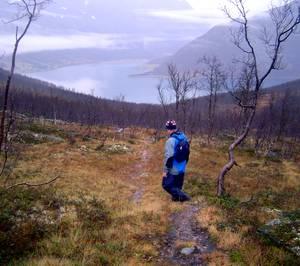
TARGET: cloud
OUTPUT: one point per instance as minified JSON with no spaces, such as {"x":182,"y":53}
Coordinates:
{"x":208,"y":12}
{"x":41,"y":42}
{"x":210,"y":17}
{"x":34,"y":43}
{"x":254,"y":7}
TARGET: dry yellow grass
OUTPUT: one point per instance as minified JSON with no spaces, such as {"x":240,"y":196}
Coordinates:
{"x":138,"y":226}
{"x":218,"y":258}
{"x":113,"y":178}
{"x":51,"y":262}
{"x":255,"y":177}
{"x":209,"y":215}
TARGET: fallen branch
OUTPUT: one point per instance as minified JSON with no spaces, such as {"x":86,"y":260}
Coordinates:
{"x":33,"y":185}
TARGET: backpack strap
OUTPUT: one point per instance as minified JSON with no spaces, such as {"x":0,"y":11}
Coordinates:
{"x":175,"y":137}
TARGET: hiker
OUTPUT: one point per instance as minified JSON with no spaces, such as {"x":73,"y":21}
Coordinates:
{"x":176,"y":157}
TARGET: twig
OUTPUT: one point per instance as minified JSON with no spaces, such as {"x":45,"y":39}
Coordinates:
{"x":33,"y":185}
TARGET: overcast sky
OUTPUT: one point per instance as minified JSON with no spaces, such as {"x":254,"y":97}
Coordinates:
{"x":205,"y":13}
{"x":213,"y":5}
{"x":210,"y":11}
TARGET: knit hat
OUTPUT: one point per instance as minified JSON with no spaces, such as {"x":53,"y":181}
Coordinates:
{"x":171,"y":125}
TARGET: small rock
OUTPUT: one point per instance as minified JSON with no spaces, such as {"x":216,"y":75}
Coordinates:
{"x":269,"y":210}
{"x":273,"y":154}
{"x":187,"y":251}
{"x":83,"y":148}
{"x":274,"y":222}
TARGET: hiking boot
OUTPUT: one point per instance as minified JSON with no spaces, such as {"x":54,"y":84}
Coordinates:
{"x":185,"y":198}
{"x":175,"y":199}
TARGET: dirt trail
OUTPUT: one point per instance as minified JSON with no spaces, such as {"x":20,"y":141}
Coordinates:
{"x":184,"y":230}
{"x":139,"y":176}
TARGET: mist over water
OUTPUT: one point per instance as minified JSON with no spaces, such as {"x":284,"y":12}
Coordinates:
{"x":105,"y":33}
{"x":106,"y":80}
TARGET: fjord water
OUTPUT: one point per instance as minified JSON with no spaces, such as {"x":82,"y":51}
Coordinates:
{"x":106,"y":80}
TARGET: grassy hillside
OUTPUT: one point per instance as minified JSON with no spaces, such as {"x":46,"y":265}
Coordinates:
{"x":108,"y":207}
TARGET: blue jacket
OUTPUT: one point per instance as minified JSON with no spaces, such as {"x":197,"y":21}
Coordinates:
{"x":170,"y":164}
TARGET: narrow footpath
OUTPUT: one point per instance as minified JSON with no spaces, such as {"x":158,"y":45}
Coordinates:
{"x":185,"y":242}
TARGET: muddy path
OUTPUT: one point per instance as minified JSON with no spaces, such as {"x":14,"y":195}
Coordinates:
{"x":140,"y":175}
{"x":186,"y":242}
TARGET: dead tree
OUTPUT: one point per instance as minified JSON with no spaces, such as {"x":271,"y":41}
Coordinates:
{"x":284,"y":116}
{"x":175,"y":84}
{"x":188,"y":84}
{"x":214,"y":80}
{"x":28,"y":10}
{"x":266,"y":127}
{"x":180,"y":86}
{"x":284,"y":19}
{"x":162,"y":98}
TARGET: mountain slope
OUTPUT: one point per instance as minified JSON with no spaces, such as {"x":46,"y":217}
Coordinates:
{"x":98,"y":24}
{"x":218,"y":42}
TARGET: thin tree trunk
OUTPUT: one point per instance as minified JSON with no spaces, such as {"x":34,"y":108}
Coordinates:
{"x":5,"y":103}
{"x":209,"y":118}
{"x":232,"y":161}
{"x":12,"y":70}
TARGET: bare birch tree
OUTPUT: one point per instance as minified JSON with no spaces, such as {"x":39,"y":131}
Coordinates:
{"x":175,"y":84}
{"x":285,"y":19}
{"x":162,"y":98}
{"x":28,"y":11}
{"x":214,"y":79}
{"x":180,"y":85}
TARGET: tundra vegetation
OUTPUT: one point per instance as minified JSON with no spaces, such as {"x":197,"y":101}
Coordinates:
{"x":107,"y":206}
{"x":80,"y":180}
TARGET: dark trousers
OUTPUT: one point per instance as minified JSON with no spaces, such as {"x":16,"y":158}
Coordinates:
{"x":173,"y":185}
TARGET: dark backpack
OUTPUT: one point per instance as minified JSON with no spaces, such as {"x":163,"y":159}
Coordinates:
{"x":182,"y":149}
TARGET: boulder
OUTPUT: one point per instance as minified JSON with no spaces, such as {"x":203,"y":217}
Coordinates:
{"x":284,"y":231}
{"x":188,"y":251}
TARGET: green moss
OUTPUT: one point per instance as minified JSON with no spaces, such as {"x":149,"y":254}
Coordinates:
{"x":38,"y":128}
{"x":93,"y":214}
{"x":227,"y":202}
{"x":284,"y":232}
{"x":199,"y":186}
{"x":236,"y":257}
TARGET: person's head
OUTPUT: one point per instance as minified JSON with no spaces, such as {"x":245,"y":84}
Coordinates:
{"x":171,"y":126}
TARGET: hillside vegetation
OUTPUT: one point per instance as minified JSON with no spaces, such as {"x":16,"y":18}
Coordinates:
{"x":108,"y":208}
{"x":36,"y":98}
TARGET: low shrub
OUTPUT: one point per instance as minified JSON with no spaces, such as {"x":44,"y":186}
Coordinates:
{"x":93,"y":213}
{"x":27,"y":215}
{"x":39,"y":128}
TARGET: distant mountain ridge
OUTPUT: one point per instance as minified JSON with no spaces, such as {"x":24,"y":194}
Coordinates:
{"x":36,"y":98}
{"x":45,"y":88}
{"x":99,"y":24}
{"x":218,"y":42}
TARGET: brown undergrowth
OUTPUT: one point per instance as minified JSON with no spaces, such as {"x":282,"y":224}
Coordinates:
{"x":257,"y":190}
{"x":97,"y":222}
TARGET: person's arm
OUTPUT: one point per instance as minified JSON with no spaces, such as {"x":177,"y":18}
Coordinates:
{"x":169,"y":153}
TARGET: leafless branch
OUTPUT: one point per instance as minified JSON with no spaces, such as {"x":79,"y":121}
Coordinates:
{"x":240,"y":102}
{"x":285,"y":23}
{"x":29,"y":10}
{"x":162,"y":98}
{"x":34,"y":185}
